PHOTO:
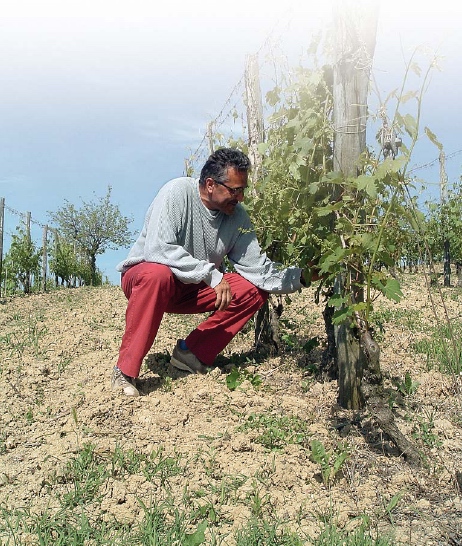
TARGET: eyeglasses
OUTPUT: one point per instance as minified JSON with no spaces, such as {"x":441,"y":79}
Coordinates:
{"x":232,"y":191}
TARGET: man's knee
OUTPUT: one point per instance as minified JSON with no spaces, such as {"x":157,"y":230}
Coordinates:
{"x":156,"y":273}
{"x":147,"y":275}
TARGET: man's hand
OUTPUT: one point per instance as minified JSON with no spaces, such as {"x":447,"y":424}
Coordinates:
{"x":224,"y":296}
{"x":310,"y":274}
{"x":316,"y":274}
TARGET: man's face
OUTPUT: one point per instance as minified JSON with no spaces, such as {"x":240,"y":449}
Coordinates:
{"x":226,"y":195}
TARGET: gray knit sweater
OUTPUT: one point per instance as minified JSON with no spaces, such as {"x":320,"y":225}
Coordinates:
{"x":180,"y":232}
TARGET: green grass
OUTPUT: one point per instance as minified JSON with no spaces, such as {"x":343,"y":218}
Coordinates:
{"x":72,"y":515}
{"x":26,"y":333}
{"x":276,"y":431}
{"x":268,"y":533}
{"x":441,"y":344}
{"x":442,"y":348}
{"x":333,"y":536}
{"x":162,"y":524}
{"x":424,"y":430}
{"x":83,"y":477}
{"x":63,"y":528}
{"x":409,"y":318}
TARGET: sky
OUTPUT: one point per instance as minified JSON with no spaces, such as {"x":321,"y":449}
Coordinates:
{"x":97,"y":94}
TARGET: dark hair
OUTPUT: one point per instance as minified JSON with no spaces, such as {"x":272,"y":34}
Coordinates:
{"x":219,"y":162}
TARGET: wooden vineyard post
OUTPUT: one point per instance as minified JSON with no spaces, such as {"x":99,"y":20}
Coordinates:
{"x":2,"y":229}
{"x":355,"y":26}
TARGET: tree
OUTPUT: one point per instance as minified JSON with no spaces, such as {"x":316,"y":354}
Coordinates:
{"x":444,"y":223}
{"x":95,"y":227}
{"x":296,"y":150}
{"x":22,"y":261}
{"x":354,"y":222}
{"x":63,"y":261}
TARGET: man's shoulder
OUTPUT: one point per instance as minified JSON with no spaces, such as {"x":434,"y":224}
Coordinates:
{"x":182,"y":182}
{"x":176,"y":187}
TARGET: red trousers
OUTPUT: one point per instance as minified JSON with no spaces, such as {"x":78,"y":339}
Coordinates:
{"x":152,"y":290}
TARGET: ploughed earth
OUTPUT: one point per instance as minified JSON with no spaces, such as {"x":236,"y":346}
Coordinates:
{"x":239,"y":442}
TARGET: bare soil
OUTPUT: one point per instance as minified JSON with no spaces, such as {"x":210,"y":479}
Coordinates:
{"x":57,"y":351}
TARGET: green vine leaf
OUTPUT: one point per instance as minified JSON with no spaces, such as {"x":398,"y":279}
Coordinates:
{"x":367,"y":184}
{"x":391,"y":289}
{"x":433,"y":138}
{"x":342,"y":315}
{"x":337,"y":300}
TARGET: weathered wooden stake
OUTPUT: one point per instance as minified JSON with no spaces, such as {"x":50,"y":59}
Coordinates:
{"x":444,"y":196}
{"x":2,"y":229}
{"x":255,"y":122}
{"x":355,"y":24}
{"x":44,"y":258}
{"x":266,"y":319}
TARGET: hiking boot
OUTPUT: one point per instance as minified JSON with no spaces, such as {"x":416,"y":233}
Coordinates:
{"x":186,"y":361}
{"x":121,"y":381}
